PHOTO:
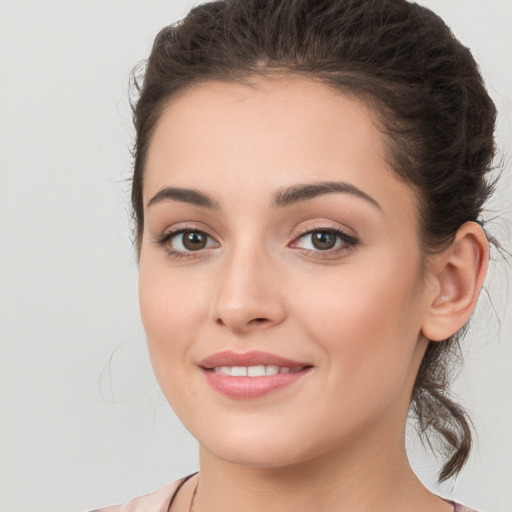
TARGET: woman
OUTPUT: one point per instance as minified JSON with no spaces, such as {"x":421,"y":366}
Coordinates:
{"x":308,"y":188}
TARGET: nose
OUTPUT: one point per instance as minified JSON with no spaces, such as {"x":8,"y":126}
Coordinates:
{"x":248,"y":295}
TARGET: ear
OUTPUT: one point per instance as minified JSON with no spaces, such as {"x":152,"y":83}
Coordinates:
{"x":456,"y":276}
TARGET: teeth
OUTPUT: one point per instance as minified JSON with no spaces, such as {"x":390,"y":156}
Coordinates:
{"x":239,"y":371}
{"x":254,"y":371}
{"x":271,"y":369}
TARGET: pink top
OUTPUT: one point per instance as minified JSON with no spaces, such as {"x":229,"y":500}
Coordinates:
{"x":161,"y":500}
{"x":157,"y":501}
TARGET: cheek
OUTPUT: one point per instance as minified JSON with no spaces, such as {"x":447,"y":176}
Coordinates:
{"x":367,"y":322}
{"x":170,"y":309}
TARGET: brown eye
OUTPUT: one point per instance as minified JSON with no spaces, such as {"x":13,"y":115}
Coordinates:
{"x":184,"y":242}
{"x":193,"y":240}
{"x":328,"y":240}
{"x":323,"y":240}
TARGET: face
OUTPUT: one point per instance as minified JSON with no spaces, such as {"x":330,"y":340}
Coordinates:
{"x":281,"y":282}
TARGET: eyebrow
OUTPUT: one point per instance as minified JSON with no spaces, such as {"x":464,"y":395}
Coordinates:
{"x":284,"y":197}
{"x":183,"y":195}
{"x":303,"y":192}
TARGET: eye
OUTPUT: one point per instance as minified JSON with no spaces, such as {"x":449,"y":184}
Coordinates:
{"x":189,"y":241}
{"x":325,"y":240}
{"x":185,"y":241}
{"x":322,"y":240}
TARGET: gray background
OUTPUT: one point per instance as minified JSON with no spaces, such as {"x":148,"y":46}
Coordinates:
{"x":83,"y":423}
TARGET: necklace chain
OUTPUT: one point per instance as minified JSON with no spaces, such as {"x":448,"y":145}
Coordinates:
{"x":191,"y":508}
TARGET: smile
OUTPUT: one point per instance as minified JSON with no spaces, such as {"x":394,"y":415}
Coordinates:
{"x":255,"y":371}
{"x":251,"y":375}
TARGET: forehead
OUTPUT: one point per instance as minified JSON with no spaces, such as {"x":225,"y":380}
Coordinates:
{"x":227,"y":137}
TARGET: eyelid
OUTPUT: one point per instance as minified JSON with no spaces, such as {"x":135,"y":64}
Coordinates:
{"x":180,"y":227}
{"x":349,"y":241}
{"x":324,"y":225}
{"x":175,"y":230}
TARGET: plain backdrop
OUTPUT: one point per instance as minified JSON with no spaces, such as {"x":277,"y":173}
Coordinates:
{"x":83,"y":423}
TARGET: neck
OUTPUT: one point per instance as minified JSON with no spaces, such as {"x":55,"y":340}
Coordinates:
{"x":342,"y":480}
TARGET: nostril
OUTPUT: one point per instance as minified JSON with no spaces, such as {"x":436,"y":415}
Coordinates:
{"x":259,"y":320}
{"x":241,"y":323}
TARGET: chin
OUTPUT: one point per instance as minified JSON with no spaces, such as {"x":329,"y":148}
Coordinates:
{"x":256,"y":456}
{"x":247,"y":450}
{"x":263,"y":448}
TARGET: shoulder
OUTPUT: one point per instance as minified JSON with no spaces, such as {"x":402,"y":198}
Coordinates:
{"x":157,"y":501}
{"x":457,"y":507}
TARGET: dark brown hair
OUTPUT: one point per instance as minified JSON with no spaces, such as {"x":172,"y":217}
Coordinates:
{"x":422,"y":83}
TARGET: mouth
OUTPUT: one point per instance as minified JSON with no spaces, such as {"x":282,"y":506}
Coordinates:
{"x":251,"y":374}
{"x":254,"y":371}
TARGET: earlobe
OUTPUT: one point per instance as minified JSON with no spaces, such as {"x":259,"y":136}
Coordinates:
{"x":457,"y":275}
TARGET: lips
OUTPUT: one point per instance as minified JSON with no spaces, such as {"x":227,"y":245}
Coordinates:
{"x":254,"y":371}
{"x":251,"y":374}
{"x":247,"y":359}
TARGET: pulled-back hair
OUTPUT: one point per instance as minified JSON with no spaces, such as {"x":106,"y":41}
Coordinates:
{"x":424,"y":87}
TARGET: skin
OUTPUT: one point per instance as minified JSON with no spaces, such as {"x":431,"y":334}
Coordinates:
{"x":358,"y":314}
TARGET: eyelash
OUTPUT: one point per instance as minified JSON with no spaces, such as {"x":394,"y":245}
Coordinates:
{"x":164,"y":239}
{"x":348,"y":242}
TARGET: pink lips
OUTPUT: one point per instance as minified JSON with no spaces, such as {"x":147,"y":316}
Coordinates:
{"x":246,"y":387}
